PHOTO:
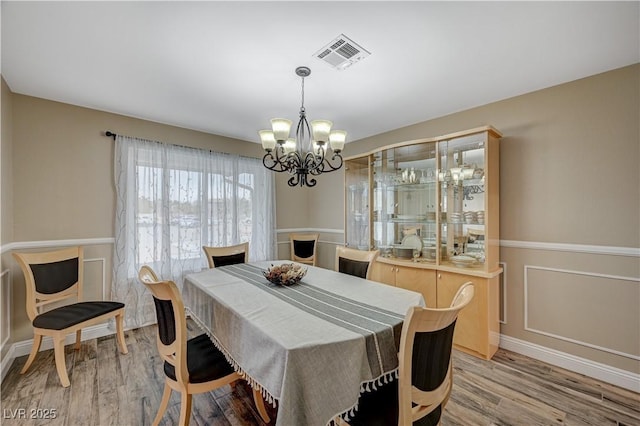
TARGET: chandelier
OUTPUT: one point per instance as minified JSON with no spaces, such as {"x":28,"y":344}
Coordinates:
{"x":307,"y":153}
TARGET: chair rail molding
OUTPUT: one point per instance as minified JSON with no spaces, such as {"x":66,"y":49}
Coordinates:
{"x":19,"y":245}
{"x":302,"y":230}
{"x":310,"y":230}
{"x":575,"y":248}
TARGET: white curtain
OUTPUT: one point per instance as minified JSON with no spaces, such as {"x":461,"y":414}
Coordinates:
{"x":172,"y":200}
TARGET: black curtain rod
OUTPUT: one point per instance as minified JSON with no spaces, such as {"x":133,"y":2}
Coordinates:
{"x":110,"y":134}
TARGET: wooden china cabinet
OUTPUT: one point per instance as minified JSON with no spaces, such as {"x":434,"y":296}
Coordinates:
{"x":431,"y":206}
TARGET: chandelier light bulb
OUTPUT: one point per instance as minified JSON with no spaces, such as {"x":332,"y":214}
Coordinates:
{"x":281,"y":128}
{"x":289,"y":146}
{"x":320,"y":130}
{"x":337,"y":139}
{"x":268,"y":140}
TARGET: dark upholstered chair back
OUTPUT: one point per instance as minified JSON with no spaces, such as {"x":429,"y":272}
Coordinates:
{"x":55,"y":277}
{"x":355,"y":262}
{"x":431,"y":357}
{"x":223,"y":256}
{"x":172,"y":324}
{"x":303,"y":247}
{"x":49,"y":274}
{"x":232,"y":259}
{"x":425,"y":359}
{"x":357,"y":268}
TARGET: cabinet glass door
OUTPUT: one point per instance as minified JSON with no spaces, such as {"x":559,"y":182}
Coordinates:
{"x":357,"y":211}
{"x":462,"y":201}
{"x":405,"y":202}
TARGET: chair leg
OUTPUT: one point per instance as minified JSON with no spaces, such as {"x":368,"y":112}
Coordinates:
{"x":120,"y":334}
{"x":185,"y":408}
{"x":78,"y":339}
{"x":257,"y":399}
{"x":166,"y":394}
{"x":37,"y":340}
{"x":58,"y":350}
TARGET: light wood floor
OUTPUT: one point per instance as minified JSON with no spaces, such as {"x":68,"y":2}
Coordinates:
{"x":108,"y":388}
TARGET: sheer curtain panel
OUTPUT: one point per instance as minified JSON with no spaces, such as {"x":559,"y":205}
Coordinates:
{"x":172,"y":200}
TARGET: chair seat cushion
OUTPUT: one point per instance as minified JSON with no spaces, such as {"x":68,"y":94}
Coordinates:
{"x":69,"y":315}
{"x":380,"y":408}
{"x":204,"y":361}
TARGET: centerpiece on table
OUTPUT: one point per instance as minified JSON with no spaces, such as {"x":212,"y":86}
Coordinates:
{"x":285,"y":274}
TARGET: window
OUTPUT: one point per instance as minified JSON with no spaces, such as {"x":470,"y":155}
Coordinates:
{"x":172,"y":200}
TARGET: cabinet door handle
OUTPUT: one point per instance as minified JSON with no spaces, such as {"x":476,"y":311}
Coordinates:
{"x":440,"y":276}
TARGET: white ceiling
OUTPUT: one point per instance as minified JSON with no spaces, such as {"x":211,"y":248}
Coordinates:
{"x":228,"y":67}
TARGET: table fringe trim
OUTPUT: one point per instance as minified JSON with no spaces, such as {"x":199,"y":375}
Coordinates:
{"x":368,"y":386}
{"x":254,"y":384}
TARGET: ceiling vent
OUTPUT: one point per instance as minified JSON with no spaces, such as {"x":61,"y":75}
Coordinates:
{"x":341,"y":53}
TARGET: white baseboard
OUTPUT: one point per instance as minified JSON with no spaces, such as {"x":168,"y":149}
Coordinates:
{"x":606,"y":373}
{"x":22,"y":348}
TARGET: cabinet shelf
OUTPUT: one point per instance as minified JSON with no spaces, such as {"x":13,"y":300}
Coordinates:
{"x":452,"y":213}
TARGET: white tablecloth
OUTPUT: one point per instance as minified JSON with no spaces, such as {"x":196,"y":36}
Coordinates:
{"x":313,"y":346}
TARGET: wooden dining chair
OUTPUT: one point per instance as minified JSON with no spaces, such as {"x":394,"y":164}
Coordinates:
{"x":229,"y":255}
{"x":355,"y":262}
{"x":58,"y":277}
{"x":191,"y":366}
{"x":303,"y":247}
{"x":425,"y":379}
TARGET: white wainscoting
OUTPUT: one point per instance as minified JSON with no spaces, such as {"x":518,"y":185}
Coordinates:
{"x":553,"y":275}
{"x":606,"y":373}
{"x":5,"y":305}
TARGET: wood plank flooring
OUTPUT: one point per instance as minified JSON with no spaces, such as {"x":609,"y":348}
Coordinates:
{"x":108,"y":388}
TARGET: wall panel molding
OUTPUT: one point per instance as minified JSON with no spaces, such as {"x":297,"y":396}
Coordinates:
{"x":531,"y":329}
{"x":5,"y":304}
{"x":503,"y":291}
{"x":104,"y":274}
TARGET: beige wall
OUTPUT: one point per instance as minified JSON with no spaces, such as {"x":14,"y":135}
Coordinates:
{"x":6,"y":210}
{"x":569,"y":174}
{"x":6,"y":169}
{"x":318,"y":209}
{"x":62,"y":182}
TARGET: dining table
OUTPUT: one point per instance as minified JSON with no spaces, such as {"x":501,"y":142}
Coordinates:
{"x":313,"y":346}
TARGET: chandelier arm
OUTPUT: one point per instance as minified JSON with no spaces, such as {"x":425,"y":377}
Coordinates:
{"x":302,"y":163}
{"x":272,"y":163}
{"x":333,"y":168}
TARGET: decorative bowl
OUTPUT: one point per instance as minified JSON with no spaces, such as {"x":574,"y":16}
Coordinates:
{"x":285,"y":274}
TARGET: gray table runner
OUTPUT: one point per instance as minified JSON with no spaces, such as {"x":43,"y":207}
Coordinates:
{"x":380,"y":328}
